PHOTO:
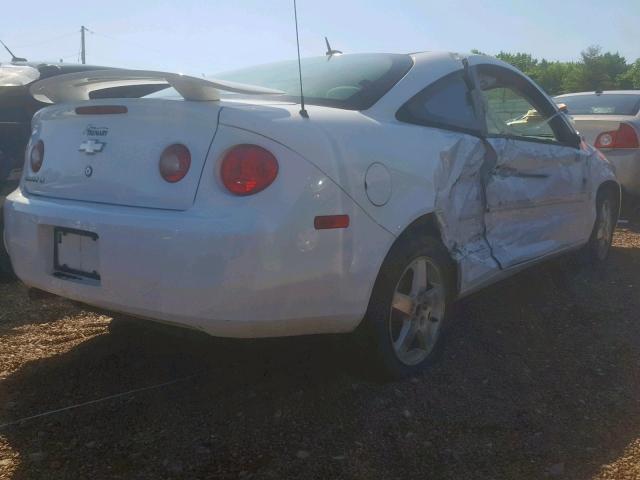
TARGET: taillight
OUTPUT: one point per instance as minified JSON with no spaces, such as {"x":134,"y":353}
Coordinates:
{"x":624,"y":137}
{"x":36,"y":156}
{"x":248,"y":169}
{"x":175,"y":162}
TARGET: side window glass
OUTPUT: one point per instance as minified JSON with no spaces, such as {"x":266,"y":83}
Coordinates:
{"x":511,"y":112}
{"x":445,"y":103}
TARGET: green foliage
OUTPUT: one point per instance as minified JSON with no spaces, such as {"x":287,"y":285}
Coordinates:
{"x":594,"y":71}
{"x":631,"y":78}
{"x":522,"y":61}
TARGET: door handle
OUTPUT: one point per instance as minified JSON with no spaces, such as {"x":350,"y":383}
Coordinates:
{"x":530,"y":175}
{"x":510,"y":172}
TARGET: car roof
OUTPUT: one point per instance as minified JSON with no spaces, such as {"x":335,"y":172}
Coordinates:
{"x":428,"y":66}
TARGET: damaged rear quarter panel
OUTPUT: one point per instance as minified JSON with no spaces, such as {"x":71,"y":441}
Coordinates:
{"x":433,"y":171}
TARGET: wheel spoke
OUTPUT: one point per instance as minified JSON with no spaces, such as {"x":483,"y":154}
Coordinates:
{"x":434,"y":295}
{"x":417,"y":311}
{"x":430,"y":334}
{"x":422,"y":332}
{"x":433,"y":277}
{"x":406,"y":337}
{"x":419,"y":282}
{"x":403,"y":303}
{"x":605,"y":227}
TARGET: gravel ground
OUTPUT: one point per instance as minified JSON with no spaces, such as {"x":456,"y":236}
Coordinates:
{"x":539,"y":379}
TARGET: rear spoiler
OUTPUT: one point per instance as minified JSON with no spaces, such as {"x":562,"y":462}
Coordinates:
{"x":77,"y":86}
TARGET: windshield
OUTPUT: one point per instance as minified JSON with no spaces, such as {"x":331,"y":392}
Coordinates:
{"x":353,"y":82}
{"x":601,"y":104}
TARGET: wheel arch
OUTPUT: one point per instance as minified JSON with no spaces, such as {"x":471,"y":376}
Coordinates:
{"x":426,"y":224}
{"x":612,"y":187}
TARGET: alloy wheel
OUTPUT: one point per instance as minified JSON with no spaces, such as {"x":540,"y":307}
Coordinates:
{"x":417,"y":311}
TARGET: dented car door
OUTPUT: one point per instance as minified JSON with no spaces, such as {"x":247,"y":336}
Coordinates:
{"x":536,"y":186}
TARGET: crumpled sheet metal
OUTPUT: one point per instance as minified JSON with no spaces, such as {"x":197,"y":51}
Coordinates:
{"x":520,"y":162}
{"x":502,"y":202}
{"x":535,"y":200}
{"x":17,"y":75}
{"x":460,"y":208}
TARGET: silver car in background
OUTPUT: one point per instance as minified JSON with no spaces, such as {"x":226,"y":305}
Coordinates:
{"x":610,"y":121}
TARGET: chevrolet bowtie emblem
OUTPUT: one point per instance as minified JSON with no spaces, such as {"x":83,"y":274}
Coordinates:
{"x":91,"y":146}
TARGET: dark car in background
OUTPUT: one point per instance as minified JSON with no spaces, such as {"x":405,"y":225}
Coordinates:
{"x":17,"y":107}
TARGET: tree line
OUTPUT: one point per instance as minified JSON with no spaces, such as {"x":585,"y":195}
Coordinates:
{"x":594,"y":71}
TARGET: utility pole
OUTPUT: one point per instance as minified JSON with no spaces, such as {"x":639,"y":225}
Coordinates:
{"x":83,"y":52}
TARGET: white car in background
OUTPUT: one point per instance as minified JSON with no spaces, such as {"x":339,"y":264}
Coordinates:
{"x":409,"y":181}
{"x":610,"y":120}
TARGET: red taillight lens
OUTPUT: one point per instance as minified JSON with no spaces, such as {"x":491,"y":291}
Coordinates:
{"x":36,"y":156}
{"x":248,"y":169}
{"x":175,"y":162}
{"x":624,"y":137}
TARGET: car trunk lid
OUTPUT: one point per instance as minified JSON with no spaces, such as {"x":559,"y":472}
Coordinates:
{"x":590,"y":126}
{"x":108,"y":151}
{"x":114,"y":158}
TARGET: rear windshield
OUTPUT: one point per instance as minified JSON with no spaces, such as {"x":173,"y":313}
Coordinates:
{"x":601,"y":104}
{"x":353,"y":82}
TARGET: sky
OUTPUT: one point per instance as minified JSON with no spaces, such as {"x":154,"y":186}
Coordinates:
{"x":203,"y":37}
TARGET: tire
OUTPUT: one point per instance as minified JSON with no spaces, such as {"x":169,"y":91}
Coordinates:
{"x":6,"y":272}
{"x":412,"y":296}
{"x":597,"y":249}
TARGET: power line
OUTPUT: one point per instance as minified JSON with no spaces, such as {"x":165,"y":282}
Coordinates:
{"x":98,"y":400}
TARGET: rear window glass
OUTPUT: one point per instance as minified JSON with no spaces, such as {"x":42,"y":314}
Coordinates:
{"x":353,"y":82}
{"x":603,"y":104}
{"x":446,"y":103}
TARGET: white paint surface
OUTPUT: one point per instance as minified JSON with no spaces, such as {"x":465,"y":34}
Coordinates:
{"x":193,"y":254}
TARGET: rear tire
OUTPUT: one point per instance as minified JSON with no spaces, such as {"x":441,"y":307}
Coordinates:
{"x":407,"y":316}
{"x":6,"y":272}
{"x":597,"y":249}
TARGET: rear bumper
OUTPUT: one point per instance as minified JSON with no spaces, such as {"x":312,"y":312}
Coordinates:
{"x":232,"y":274}
{"x":627,"y":164}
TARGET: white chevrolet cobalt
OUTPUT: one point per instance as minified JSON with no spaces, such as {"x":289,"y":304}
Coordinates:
{"x":224,"y":205}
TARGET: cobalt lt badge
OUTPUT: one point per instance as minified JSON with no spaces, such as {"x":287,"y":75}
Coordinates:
{"x":88,"y":171}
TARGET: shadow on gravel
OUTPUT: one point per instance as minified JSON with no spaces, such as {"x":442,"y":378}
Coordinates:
{"x":539,"y":378}
{"x":7,"y":277}
{"x":18,"y":310}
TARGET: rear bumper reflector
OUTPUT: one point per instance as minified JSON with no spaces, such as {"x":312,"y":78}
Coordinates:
{"x":325,"y":222}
